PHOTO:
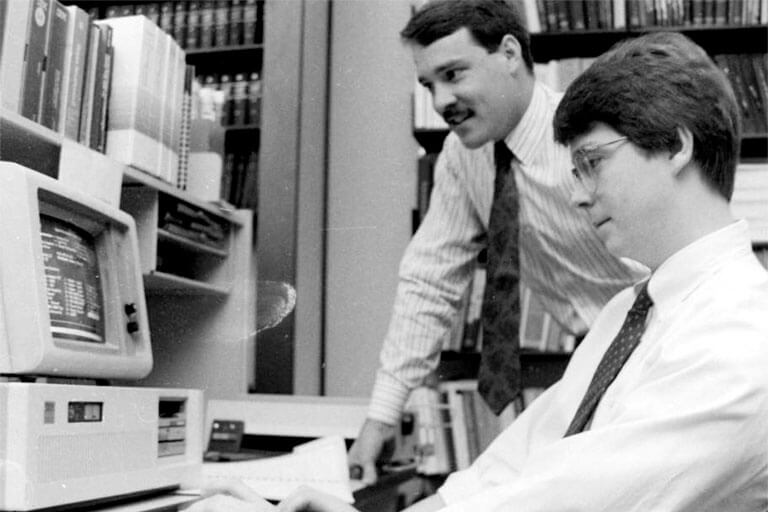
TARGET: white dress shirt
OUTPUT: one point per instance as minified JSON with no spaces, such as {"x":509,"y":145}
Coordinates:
{"x":684,"y":427}
{"x":561,"y":258}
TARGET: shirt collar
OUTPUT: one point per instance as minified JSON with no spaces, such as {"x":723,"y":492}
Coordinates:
{"x":684,"y":271}
{"x":523,"y":140}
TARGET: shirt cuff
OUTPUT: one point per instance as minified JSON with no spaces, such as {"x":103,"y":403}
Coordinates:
{"x":388,"y":399}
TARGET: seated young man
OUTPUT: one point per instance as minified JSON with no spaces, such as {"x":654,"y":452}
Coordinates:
{"x":664,"y":405}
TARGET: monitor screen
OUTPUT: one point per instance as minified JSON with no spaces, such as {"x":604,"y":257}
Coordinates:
{"x":73,"y":281}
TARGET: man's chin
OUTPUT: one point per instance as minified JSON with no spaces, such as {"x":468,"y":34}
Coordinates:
{"x":469,"y":139}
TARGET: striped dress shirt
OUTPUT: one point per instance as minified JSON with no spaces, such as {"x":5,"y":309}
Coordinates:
{"x":562,"y":260}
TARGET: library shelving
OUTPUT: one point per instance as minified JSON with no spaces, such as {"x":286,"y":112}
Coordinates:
{"x":224,"y":41}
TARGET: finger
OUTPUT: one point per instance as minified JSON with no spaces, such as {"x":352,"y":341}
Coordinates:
{"x":369,"y":473}
{"x":232,"y":487}
{"x":222,"y":503}
{"x":306,"y":499}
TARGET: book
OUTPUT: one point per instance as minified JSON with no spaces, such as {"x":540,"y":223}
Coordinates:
{"x":180,"y":23}
{"x":133,"y":136}
{"x":472,"y":336}
{"x":185,"y":124}
{"x":167,"y":71}
{"x":177,"y":106}
{"x":166,"y":17}
{"x":459,"y":432}
{"x":206,"y":33}
{"x":743,"y":65}
{"x":236,"y":18}
{"x":50,"y":101}
{"x":15,"y":26}
{"x":193,"y":13}
{"x":103,"y":77}
{"x":250,"y":18}
{"x":89,"y":85}
{"x":253,"y":113}
{"x":239,"y":101}
{"x":221,"y":23}
{"x":433,"y":449}
{"x":34,"y":59}
{"x":73,"y":75}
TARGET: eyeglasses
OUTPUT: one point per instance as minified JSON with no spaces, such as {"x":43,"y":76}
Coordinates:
{"x":585,"y":162}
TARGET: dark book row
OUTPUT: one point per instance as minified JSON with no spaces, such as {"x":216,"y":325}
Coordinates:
{"x":748,"y":74}
{"x":195,"y":24}
{"x":239,"y":180}
{"x":567,"y":15}
{"x":237,"y":98}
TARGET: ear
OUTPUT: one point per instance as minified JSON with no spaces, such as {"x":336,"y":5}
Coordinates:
{"x":684,"y":154}
{"x":510,"y":49}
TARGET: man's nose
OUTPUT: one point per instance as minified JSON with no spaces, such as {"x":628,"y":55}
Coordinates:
{"x":581,"y":197}
{"x":442,"y":98}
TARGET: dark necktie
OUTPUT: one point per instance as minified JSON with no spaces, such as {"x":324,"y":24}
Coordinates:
{"x":614,"y":358}
{"x":499,"y":373}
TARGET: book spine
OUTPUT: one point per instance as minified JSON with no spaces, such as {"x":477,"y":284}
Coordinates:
{"x":51,"y":108}
{"x":89,"y":85}
{"x":14,"y":37}
{"x":99,"y":94}
{"x":221,"y":24}
{"x":236,"y":22}
{"x":34,"y":63}
{"x":105,"y":89}
{"x":74,"y":71}
{"x":576,"y":15}
{"x":254,"y":99}
{"x":193,"y":25}
{"x":206,"y":24}
{"x":250,"y":18}
{"x":180,"y":23}
{"x":166,"y":17}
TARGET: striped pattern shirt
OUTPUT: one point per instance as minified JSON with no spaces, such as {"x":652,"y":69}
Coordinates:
{"x":562,"y":260}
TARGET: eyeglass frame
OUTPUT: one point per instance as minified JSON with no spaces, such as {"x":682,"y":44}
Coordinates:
{"x":587,"y":174}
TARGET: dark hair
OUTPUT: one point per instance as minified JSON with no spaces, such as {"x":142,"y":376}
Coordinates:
{"x":648,"y":87}
{"x":487,"y":20}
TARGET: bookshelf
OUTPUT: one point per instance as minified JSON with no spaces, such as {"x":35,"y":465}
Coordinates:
{"x":272,"y":153}
{"x":541,"y":368}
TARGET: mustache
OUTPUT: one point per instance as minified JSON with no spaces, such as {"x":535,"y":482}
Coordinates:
{"x":453,"y":111}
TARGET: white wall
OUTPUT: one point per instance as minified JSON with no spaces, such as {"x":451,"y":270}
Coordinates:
{"x":371,"y":184}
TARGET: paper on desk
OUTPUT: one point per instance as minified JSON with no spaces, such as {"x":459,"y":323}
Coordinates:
{"x":320,"y":464}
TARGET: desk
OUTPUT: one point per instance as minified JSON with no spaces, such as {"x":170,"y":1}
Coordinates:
{"x":382,"y":497}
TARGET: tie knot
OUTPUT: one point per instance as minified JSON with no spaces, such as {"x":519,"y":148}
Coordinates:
{"x":502,"y":156}
{"x":643,"y":301}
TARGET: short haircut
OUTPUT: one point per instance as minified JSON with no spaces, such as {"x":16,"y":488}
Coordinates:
{"x":487,"y":20}
{"x":648,"y":87}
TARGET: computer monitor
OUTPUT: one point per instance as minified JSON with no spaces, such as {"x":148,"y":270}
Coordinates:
{"x":71,"y":292}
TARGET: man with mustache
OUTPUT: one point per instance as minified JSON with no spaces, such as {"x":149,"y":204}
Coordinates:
{"x":474,"y":58}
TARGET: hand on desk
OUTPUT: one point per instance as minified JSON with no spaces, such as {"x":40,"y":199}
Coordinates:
{"x":234,"y":496}
{"x":230,"y":496}
{"x":376,"y":441}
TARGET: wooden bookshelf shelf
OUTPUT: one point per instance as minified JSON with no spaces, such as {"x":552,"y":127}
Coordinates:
{"x":213,"y":60}
{"x":190,"y":245}
{"x":135,"y":177}
{"x":548,"y":46}
{"x":242,"y":49}
{"x":170,"y":284}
